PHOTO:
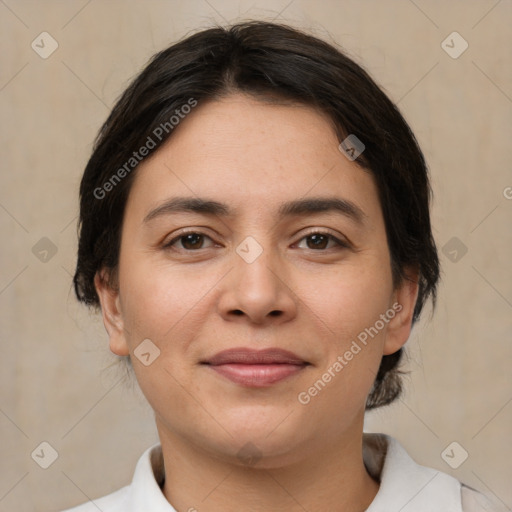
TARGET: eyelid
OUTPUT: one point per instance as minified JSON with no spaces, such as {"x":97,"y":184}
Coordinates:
{"x":340,"y":240}
{"x":186,"y":231}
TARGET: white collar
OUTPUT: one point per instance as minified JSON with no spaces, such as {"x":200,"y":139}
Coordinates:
{"x":146,"y":493}
{"x":404,"y":485}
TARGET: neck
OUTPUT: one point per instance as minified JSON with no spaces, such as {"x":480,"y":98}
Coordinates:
{"x":330,"y":480}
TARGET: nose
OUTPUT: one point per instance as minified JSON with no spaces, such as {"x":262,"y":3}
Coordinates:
{"x":258,"y":291}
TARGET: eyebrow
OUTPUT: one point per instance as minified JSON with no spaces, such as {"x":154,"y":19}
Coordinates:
{"x":288,"y":209}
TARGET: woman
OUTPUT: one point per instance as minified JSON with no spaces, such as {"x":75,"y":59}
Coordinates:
{"x":255,"y":229}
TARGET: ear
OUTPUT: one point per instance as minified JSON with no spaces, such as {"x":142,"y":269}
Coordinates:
{"x":403,"y":303}
{"x":111,"y":312}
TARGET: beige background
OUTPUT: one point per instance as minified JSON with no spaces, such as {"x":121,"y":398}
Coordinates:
{"x":56,"y":385}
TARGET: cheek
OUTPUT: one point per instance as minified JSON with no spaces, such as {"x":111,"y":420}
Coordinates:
{"x":167,"y":306}
{"x":350,"y":302}
{"x":350,"y":299}
{"x":165,"y":303}
{"x":152,"y":296}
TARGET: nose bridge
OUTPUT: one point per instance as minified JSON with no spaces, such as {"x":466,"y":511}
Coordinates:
{"x":254,"y":270}
{"x":256,"y":288}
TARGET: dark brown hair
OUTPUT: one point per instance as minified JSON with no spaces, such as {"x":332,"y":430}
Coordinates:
{"x":265,"y":60}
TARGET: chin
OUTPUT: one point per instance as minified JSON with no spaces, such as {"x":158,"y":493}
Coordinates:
{"x":262,"y":453}
{"x":262,"y":443}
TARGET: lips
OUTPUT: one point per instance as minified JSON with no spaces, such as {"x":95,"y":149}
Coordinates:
{"x":256,"y":368}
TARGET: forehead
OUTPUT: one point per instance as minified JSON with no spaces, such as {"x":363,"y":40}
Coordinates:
{"x":253,"y":133}
{"x":244,"y":152}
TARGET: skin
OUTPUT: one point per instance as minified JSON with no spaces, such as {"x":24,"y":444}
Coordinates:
{"x":193,"y":299}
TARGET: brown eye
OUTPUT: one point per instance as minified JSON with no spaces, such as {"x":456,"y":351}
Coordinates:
{"x":192,"y":241}
{"x":321,"y":241}
{"x":188,"y":242}
{"x":317,"y":241}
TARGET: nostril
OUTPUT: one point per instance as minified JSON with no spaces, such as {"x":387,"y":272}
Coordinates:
{"x":275,"y":312}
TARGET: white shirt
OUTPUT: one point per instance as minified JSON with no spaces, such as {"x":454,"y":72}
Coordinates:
{"x":404,"y":485}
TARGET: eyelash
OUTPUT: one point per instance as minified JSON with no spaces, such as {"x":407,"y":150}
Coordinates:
{"x":341,"y":244}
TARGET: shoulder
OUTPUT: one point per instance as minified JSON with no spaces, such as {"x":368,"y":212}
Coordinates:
{"x":474,"y":501}
{"x":114,"y":502}
{"x":411,"y":487}
{"x":143,"y":493}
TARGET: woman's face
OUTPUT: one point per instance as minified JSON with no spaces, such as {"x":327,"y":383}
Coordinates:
{"x":277,"y":243}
